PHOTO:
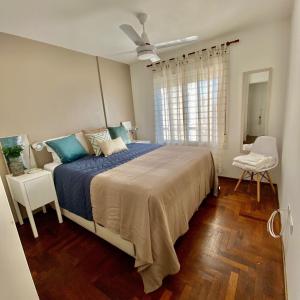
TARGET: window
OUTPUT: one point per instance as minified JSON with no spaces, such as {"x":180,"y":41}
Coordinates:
{"x":188,"y":113}
{"x":191,"y":99}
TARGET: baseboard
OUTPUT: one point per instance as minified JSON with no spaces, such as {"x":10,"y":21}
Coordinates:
{"x":246,"y":180}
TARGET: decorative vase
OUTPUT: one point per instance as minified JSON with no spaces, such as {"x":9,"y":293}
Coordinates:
{"x":16,"y":166}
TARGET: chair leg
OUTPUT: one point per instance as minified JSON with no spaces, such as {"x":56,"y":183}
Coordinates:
{"x":250,"y":181}
{"x":271,"y":183}
{"x":258,"y":178}
{"x":241,"y":178}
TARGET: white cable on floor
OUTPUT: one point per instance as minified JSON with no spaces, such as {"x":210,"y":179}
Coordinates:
{"x":270,"y":225}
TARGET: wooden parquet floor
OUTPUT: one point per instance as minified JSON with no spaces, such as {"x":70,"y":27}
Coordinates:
{"x":226,"y":254}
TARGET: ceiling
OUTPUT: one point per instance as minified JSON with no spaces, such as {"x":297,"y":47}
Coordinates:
{"x":92,"y":26}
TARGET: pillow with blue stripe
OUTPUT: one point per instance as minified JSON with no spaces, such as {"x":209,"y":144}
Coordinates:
{"x":68,"y":148}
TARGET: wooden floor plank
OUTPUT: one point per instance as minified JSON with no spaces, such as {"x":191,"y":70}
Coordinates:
{"x":185,"y":295}
{"x":226,"y":254}
{"x":232,"y":285}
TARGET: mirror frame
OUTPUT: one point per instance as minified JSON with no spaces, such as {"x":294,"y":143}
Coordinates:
{"x":245,"y":94}
{"x":27,"y":151}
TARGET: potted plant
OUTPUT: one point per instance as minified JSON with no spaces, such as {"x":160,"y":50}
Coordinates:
{"x":13,"y":157}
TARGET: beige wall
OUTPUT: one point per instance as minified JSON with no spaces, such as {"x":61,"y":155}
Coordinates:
{"x":117,"y":94}
{"x":48,"y":91}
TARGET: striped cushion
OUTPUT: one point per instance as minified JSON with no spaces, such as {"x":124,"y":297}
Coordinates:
{"x":96,"y":138}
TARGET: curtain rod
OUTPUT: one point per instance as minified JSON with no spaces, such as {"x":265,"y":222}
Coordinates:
{"x":227,"y":44}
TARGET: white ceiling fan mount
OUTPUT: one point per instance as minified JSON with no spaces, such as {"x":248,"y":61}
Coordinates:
{"x":145,"y":50}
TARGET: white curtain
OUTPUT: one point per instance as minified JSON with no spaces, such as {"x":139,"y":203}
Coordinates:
{"x":191,"y":100}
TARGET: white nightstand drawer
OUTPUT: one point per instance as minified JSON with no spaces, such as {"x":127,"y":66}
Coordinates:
{"x":39,"y":191}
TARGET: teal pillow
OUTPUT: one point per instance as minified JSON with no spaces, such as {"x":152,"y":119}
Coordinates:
{"x":68,"y":149}
{"x":119,"y":131}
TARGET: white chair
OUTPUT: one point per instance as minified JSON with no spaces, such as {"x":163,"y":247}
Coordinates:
{"x":262,"y":158}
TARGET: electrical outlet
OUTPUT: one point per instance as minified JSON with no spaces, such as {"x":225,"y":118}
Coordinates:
{"x":290,"y":220}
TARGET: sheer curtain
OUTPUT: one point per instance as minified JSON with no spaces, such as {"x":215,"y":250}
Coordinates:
{"x":191,"y":100}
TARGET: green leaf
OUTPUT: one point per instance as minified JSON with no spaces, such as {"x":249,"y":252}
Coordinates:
{"x":12,"y":152}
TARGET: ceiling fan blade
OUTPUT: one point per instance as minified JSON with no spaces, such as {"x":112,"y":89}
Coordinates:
{"x":124,"y":52}
{"x":155,"y":59}
{"x":132,"y":34}
{"x":186,"y":40}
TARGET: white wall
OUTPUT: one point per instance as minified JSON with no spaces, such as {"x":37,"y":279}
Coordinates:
{"x":261,"y":47}
{"x":291,"y":161}
{"x":15,"y":278}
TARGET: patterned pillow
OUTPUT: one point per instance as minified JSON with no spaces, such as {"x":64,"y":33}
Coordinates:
{"x":96,"y":138}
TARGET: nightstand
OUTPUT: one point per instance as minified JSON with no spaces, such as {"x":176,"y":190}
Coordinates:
{"x":33,"y":191}
{"x":142,"y":142}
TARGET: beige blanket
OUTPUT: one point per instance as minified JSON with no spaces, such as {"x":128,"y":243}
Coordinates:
{"x":149,"y":202}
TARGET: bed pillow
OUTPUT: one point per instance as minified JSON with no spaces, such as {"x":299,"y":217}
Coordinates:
{"x":90,"y":131}
{"x":83,"y":141}
{"x":79,"y":136}
{"x":120,"y":131}
{"x":68,"y":148}
{"x":55,"y":157}
{"x":96,"y":137}
{"x":112,"y":146}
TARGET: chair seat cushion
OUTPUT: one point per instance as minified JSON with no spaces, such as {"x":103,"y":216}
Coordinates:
{"x":254,"y":162}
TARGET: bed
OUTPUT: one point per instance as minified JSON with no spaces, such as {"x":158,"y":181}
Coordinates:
{"x":139,"y":200}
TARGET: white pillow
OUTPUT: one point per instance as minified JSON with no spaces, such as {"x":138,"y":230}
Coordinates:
{"x":112,"y":146}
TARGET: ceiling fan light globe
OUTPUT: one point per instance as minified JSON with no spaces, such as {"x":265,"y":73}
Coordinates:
{"x":146,"y":55}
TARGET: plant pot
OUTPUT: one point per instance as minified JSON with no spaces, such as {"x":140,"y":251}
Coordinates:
{"x":16,"y":166}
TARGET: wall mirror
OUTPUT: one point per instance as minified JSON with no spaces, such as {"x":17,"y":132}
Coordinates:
{"x":255,"y":112}
{"x":17,"y":153}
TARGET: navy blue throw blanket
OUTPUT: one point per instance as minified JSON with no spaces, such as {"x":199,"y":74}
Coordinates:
{"x":73,"y":180}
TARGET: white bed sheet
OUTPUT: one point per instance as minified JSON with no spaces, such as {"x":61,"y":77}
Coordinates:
{"x":51,"y":166}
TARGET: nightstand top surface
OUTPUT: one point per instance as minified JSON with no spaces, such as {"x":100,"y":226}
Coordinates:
{"x":28,"y":176}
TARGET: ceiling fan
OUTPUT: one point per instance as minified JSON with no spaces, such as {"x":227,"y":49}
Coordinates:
{"x":145,"y":50}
